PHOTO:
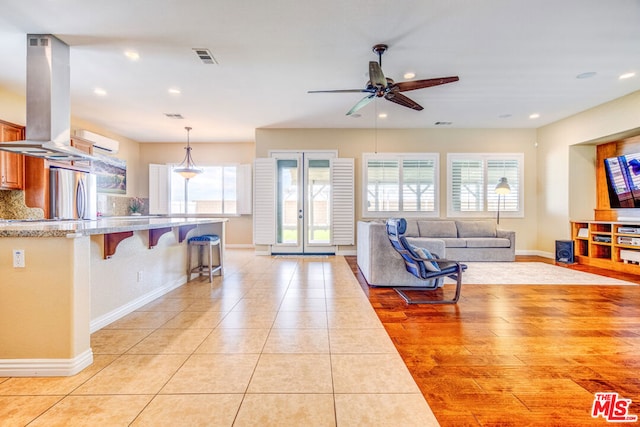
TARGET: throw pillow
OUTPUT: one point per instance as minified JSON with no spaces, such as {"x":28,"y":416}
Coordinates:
{"x":426,"y":255}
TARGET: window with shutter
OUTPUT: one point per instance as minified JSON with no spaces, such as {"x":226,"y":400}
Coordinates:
{"x":400,"y":184}
{"x":472,"y":179}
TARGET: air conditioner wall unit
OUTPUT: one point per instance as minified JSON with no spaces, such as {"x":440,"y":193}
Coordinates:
{"x":100,"y":142}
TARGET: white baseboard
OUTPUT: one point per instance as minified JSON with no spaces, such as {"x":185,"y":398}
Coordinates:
{"x":536,"y":253}
{"x":350,"y":252}
{"x":112,"y":316}
{"x":239,"y":246}
{"x":45,"y":367}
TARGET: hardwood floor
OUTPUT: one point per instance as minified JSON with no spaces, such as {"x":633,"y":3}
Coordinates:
{"x":519,"y":355}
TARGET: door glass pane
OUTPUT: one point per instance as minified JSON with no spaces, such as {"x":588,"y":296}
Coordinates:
{"x":287,"y":202}
{"x":318,"y":202}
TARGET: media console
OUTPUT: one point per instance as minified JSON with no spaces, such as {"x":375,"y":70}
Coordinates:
{"x":614,"y":245}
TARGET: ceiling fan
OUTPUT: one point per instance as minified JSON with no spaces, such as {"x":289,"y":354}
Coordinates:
{"x":381,"y":86}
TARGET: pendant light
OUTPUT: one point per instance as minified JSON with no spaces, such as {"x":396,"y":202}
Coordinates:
{"x":187,"y":169}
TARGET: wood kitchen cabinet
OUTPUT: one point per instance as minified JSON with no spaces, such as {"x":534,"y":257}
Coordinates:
{"x":11,"y":165}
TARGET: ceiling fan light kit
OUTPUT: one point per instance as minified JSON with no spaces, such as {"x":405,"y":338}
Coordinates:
{"x":380,"y":86}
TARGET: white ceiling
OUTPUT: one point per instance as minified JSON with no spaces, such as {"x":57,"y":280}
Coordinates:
{"x":513,"y":57}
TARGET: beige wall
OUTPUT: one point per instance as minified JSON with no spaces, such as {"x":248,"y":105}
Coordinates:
{"x":353,"y":143}
{"x":48,"y":314}
{"x":566,"y":172}
{"x":13,"y":107}
{"x":239,"y":229}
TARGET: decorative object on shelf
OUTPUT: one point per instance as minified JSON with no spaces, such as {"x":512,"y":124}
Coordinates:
{"x":502,"y":189}
{"x":187,"y":169}
{"x":136,"y":206}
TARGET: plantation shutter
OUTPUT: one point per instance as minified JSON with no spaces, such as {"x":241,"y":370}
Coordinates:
{"x":497,"y":169}
{"x":244,"y":189}
{"x":158,"y":189}
{"x":264,"y":201}
{"x":467,"y":186}
{"x":342,"y":201}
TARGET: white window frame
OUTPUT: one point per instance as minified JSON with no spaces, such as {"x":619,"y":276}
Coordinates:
{"x":242,"y":184}
{"x":484,"y":157}
{"x":435,"y":157}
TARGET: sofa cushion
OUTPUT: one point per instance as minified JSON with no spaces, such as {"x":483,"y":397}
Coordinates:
{"x":437,"y":228}
{"x":412,"y":228}
{"x":487,"y":242}
{"x":450,"y":242}
{"x":480,"y":228}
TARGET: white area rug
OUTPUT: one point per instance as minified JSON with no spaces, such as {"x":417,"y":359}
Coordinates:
{"x":530,"y":273}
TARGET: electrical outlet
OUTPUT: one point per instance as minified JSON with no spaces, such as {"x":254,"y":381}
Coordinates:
{"x":18,"y":258}
{"x":139,"y":276}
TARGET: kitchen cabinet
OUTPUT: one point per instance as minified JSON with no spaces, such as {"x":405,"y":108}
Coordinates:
{"x":11,"y":165}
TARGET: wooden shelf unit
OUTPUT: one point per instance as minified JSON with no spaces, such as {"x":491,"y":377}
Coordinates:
{"x":600,"y":244}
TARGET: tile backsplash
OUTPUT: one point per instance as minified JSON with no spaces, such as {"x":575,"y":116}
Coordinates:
{"x":12,"y":206}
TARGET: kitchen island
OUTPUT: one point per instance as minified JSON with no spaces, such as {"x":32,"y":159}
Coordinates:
{"x":78,"y":277}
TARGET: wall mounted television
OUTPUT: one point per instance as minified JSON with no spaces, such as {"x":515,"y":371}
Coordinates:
{"x":623,"y":180}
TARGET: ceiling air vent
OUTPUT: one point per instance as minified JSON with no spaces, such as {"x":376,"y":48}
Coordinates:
{"x":443,"y":123}
{"x":174,"y":115}
{"x":205,"y":56}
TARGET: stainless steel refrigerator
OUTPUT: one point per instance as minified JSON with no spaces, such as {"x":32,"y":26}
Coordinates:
{"x":73,"y":194}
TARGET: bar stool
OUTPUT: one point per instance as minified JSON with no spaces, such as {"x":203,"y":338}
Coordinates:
{"x":207,"y":241}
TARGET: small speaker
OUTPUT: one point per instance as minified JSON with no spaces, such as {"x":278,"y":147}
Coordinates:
{"x":564,"y":251}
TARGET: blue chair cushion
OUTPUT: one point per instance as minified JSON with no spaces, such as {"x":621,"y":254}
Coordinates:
{"x":205,"y":238}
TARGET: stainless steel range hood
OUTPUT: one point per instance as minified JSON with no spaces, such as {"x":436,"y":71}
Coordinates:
{"x":48,"y":102}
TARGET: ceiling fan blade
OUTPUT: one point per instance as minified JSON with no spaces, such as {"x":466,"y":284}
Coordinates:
{"x":376,"y":76}
{"x":339,"y":91}
{"x":364,"y":101}
{"x":400,"y":99}
{"x":420,"y":84}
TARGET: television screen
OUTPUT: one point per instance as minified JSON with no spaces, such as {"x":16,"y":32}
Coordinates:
{"x":623,"y":180}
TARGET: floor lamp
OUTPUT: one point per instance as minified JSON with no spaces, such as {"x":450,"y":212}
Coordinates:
{"x":502,"y":189}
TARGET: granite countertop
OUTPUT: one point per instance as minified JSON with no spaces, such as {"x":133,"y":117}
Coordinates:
{"x":105,"y":225}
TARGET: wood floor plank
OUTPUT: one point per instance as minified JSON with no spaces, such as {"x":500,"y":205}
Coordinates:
{"x":519,"y":355}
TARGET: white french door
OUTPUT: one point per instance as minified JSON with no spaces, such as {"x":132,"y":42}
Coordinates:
{"x":303,"y":202}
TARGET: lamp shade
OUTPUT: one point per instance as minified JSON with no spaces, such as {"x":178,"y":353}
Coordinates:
{"x":187,"y":169}
{"x":503,"y":187}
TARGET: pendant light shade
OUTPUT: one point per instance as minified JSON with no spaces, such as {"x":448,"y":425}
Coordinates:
{"x":187,"y":169}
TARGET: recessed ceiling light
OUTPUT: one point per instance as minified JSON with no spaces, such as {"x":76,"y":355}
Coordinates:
{"x":174,"y":91}
{"x":586,"y":75}
{"x":132,"y":55}
{"x":409,"y":75}
{"x":382,"y":115}
{"x":534,"y":116}
{"x":626,"y":76}
{"x":100,"y":92}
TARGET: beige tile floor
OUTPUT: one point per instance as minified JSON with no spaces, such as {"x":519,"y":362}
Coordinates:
{"x":278,"y":341}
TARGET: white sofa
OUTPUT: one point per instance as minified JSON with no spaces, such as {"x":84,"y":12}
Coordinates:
{"x":458,"y":240}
